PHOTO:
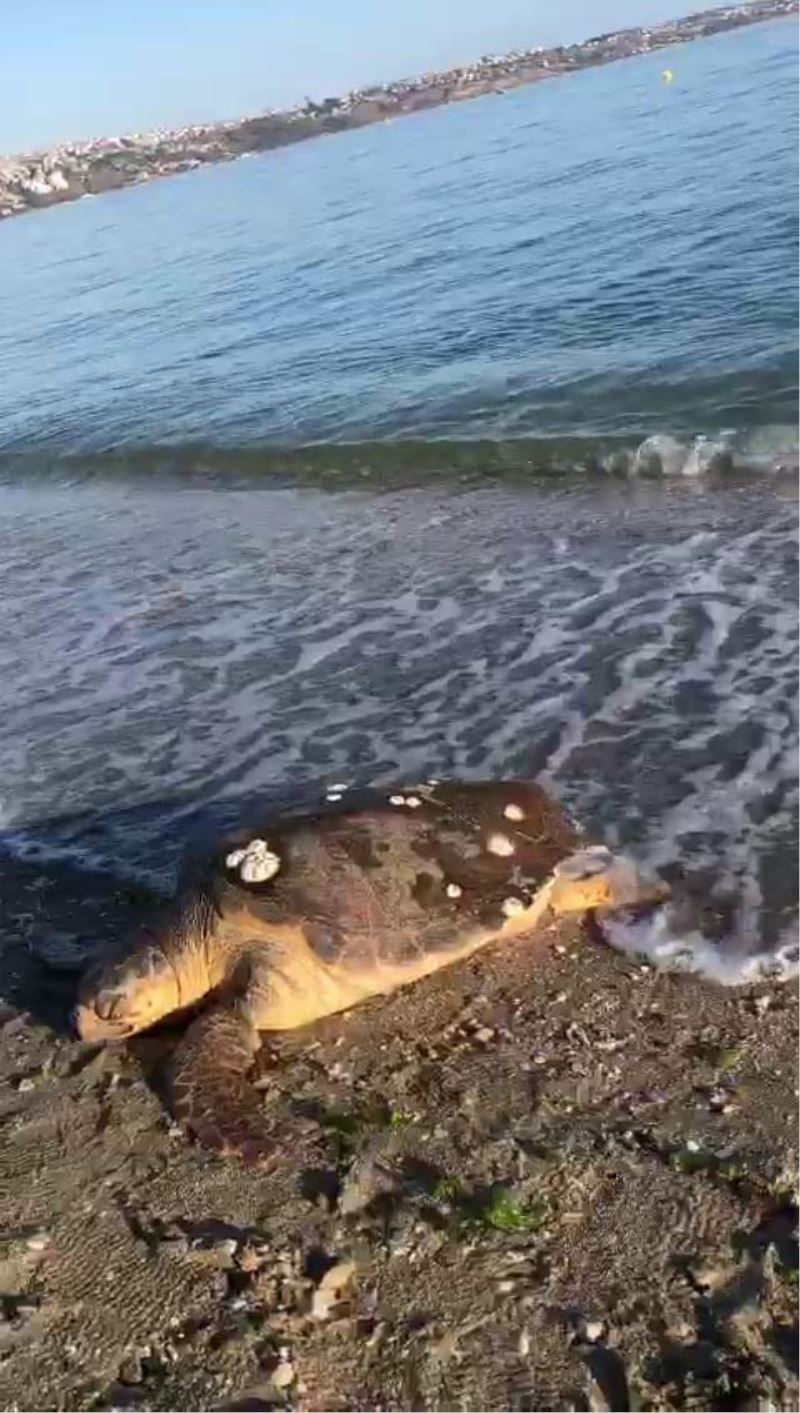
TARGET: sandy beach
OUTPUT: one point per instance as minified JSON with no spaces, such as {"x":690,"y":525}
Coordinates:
{"x":545,"y":1179}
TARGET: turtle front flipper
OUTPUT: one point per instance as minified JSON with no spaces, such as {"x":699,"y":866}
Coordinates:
{"x":595,"y":878}
{"x":209,"y":1090}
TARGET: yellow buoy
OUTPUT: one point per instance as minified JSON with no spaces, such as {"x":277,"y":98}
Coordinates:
{"x":668,"y":76}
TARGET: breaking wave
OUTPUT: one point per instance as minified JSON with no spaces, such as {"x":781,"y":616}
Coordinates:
{"x":769,"y":450}
{"x":670,"y":938}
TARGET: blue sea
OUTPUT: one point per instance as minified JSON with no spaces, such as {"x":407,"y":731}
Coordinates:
{"x":463,"y":443}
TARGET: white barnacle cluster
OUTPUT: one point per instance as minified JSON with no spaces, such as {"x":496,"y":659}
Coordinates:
{"x":512,"y":907}
{"x":454,"y":890}
{"x":256,"y":862}
{"x":411,"y":802}
{"x":425,"y":788}
{"x":500,"y":845}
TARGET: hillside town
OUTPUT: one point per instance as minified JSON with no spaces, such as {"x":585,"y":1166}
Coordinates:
{"x":84,"y":169}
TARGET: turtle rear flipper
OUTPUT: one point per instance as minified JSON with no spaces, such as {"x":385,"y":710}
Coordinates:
{"x":209,"y":1090}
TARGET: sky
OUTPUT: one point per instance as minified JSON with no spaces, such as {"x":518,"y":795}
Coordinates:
{"x":88,"y":68}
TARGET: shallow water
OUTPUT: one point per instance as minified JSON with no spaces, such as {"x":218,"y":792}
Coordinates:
{"x":636,"y":645}
{"x":586,"y":263}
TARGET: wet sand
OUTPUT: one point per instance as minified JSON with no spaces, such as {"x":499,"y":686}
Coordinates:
{"x":549,"y":1179}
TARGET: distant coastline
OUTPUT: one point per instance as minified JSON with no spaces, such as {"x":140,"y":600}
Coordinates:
{"x":78,"y":169}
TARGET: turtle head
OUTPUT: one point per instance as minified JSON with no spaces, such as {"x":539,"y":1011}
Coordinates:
{"x":118,"y":998}
{"x":595,"y":878}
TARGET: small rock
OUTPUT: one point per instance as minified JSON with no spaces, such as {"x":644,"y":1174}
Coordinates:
{"x":39,"y":1242}
{"x":130,"y":1370}
{"x":762,"y":1004}
{"x":720,"y":1101}
{"x":682,"y":1331}
{"x":709,"y":1276}
{"x":284,"y":1374}
{"x":595,"y":1330}
{"x":376,"y":1334}
{"x":360,"y":1186}
{"x":446,"y":1348}
{"x":524,"y":1344}
{"x":24,"y":1086}
{"x":328,"y":1293}
{"x":591,"y":1331}
{"x":484,"y":1034}
{"x":226,"y":1247}
{"x":252,"y":1259}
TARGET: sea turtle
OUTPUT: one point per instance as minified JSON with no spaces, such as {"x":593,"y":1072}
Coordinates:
{"x":305,"y":915}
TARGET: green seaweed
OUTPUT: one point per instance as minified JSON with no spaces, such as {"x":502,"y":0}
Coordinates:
{"x":729,"y":1058}
{"x":492,"y":1209}
{"x":684,"y":1160}
{"x":503,"y":1213}
{"x":400,"y":1118}
{"x":449,"y":1190}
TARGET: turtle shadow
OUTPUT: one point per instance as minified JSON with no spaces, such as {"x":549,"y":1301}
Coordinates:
{"x":608,"y":1370}
{"x":321,"y":1187}
{"x":604,"y":1363}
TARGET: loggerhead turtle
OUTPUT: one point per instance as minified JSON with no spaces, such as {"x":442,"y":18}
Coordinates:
{"x":310,"y":914}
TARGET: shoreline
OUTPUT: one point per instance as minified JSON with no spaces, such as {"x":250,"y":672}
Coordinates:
{"x":73,"y":171}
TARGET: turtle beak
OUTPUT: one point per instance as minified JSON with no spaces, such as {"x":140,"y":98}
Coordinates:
{"x":94,"y":1025}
